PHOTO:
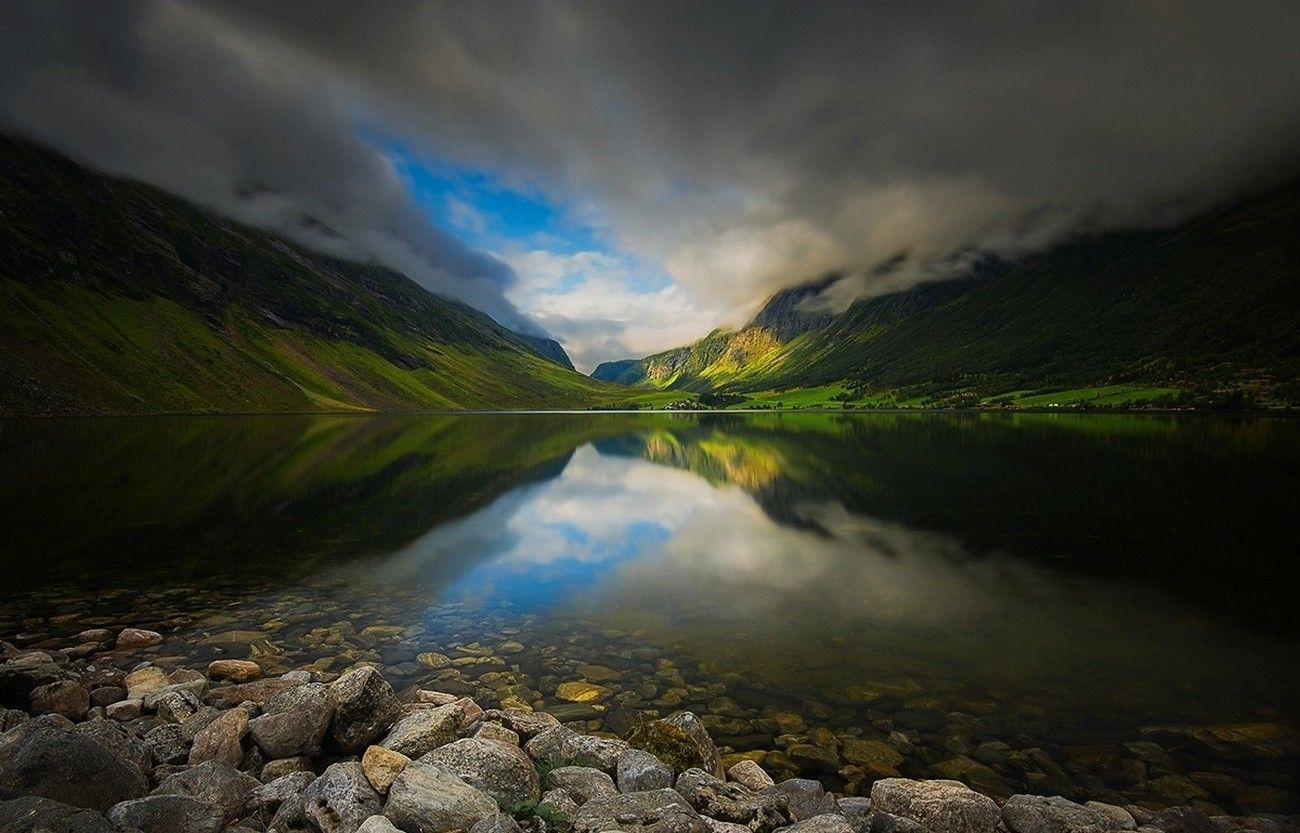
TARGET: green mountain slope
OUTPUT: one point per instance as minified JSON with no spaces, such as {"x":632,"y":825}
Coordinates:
{"x":1210,"y":307}
{"x":118,"y":298}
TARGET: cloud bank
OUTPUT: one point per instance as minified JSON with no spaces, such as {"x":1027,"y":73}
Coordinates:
{"x":737,"y":147}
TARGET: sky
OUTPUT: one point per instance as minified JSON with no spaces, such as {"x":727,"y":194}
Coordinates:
{"x":626,"y":176}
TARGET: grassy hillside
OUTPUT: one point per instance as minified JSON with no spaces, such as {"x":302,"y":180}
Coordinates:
{"x":1203,"y":313}
{"x":118,"y":298}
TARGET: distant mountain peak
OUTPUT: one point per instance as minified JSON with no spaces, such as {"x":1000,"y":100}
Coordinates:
{"x":548,"y":348}
{"x":794,"y":311}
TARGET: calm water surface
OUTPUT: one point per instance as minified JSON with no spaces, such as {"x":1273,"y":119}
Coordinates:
{"x":1099,"y":605}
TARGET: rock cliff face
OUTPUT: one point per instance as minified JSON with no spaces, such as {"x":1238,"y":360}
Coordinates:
{"x":796,"y":310}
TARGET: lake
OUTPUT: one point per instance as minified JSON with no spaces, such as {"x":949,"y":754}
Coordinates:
{"x":1098,"y":606}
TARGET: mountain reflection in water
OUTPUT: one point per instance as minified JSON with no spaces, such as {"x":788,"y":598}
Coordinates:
{"x":1076,"y":577}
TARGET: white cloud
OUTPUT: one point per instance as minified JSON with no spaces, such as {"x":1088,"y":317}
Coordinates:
{"x":593,"y":303}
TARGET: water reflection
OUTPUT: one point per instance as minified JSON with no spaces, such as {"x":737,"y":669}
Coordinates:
{"x":958,"y":579}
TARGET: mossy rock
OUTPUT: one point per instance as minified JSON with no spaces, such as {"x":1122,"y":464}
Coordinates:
{"x":680,"y":741}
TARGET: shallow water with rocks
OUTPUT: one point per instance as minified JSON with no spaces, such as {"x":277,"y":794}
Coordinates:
{"x":1091,"y":606}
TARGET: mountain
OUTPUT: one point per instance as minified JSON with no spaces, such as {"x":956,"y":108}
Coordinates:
{"x":116,"y":297}
{"x":548,"y":348}
{"x":1203,"y":312}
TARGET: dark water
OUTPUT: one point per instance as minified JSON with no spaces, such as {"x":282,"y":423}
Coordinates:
{"x":1084,"y":605}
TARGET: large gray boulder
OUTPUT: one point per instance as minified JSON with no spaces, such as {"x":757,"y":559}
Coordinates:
{"x":427,"y":798}
{"x":215,"y":782}
{"x":341,"y":799}
{"x":941,"y":805}
{"x":651,"y":811}
{"x":1054,"y":814}
{"x":46,"y":757}
{"x":423,"y":730}
{"x":167,"y":814}
{"x":364,"y":708}
{"x":593,"y":751}
{"x":503,"y":772}
{"x":266,"y":800}
{"x":295,"y":722}
{"x":35,"y":814}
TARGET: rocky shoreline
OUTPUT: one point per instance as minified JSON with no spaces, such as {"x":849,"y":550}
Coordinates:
{"x":96,"y":740}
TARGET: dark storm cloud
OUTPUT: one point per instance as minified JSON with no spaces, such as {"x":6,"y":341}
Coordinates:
{"x":753,"y":144}
{"x":742,"y":146}
{"x":169,"y":95}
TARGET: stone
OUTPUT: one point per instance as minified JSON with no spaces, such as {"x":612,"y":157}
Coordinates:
{"x":36,"y":814}
{"x":731,"y":802}
{"x":749,"y":774}
{"x":433,"y":659}
{"x":804,"y":797}
{"x":65,"y":697}
{"x":105,"y":696}
{"x":942,"y":806}
{"x":499,"y":823}
{"x":377,"y":824}
{"x":875,"y":753}
{"x":639,"y":771}
{"x":382,"y":766}
{"x":583,"y":692}
{"x":825,"y":823}
{"x":258,"y":691}
{"x":422,"y":730}
{"x":341,"y":799}
{"x":215,"y":782}
{"x":857,"y":809}
{"x":526,"y":724}
{"x":808,"y":756}
{"x":1123,"y":818}
{"x":593,"y":751}
{"x":558,"y":802}
{"x":364,"y":708}
{"x":881,"y":822}
{"x":1043,"y":814}
{"x":266,"y":799}
{"x":173,"y":704}
{"x":295,"y":722}
{"x":281,"y":767}
{"x":167,"y":744}
{"x":132,"y":638}
{"x":1182,"y":820}
{"x":983,"y":778}
{"x":651,"y":811}
{"x":503,"y":772}
{"x":581,"y":783}
{"x":125,"y":710}
{"x":434,"y":698}
{"x":144,"y":681}
{"x":167,"y":814}
{"x":234,"y":670}
{"x":221,"y":740}
{"x":546,"y":747}
{"x":122,"y":743}
{"x":45,"y":757}
{"x":681,"y":741}
{"x":725,"y":826}
{"x":427,"y":798}
{"x":498,"y":733}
